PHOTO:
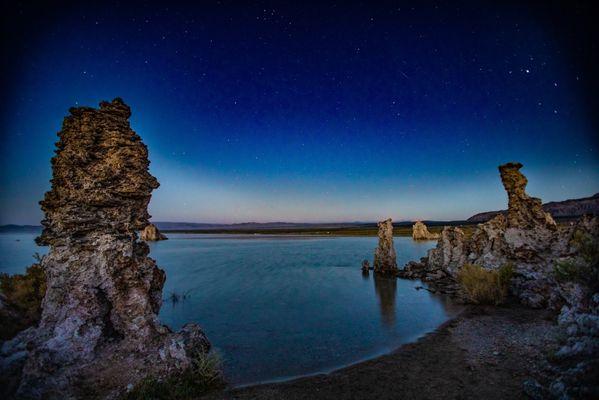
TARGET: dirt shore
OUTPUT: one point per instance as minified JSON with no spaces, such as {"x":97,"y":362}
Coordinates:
{"x":485,"y":353}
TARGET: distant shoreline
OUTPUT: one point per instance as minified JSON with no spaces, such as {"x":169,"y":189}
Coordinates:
{"x":401,"y":231}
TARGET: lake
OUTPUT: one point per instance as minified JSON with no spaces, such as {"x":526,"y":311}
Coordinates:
{"x":276,"y":307}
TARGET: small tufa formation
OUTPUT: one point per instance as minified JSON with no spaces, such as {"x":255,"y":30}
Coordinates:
{"x":365,"y":266}
{"x":420,"y":232}
{"x":99,"y":328}
{"x":384,"y":255}
{"x":152,"y":234}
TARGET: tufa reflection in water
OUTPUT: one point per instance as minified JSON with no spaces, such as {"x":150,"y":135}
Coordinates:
{"x":386,"y":289}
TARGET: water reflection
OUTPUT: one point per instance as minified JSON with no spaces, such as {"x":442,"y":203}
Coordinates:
{"x":280,"y":307}
{"x":386,"y":289}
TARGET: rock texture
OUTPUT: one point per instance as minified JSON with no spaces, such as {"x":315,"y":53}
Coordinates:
{"x":524,"y":212}
{"x":384,"y":255}
{"x":151,"y":234}
{"x":420,"y":232}
{"x":571,"y":208}
{"x":99,"y":330}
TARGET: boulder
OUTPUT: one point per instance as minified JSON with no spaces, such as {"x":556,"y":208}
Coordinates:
{"x":420,"y":232}
{"x":99,"y":330}
{"x":151,"y":234}
{"x":384,"y":255}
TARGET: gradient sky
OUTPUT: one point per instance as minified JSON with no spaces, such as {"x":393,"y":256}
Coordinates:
{"x":311,"y":112}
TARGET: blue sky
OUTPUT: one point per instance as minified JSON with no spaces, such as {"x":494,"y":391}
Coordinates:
{"x":274,"y":112}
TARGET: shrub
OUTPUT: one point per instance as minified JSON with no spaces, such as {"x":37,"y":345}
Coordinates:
{"x":204,"y":375}
{"x":484,"y":286}
{"x":584,"y":266}
{"x":23,"y":295}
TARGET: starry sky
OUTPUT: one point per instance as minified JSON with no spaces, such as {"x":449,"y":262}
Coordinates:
{"x":311,"y":111}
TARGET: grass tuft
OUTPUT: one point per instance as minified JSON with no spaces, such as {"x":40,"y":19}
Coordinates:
{"x":22,"y":295}
{"x":204,"y":375}
{"x":485,"y":286}
{"x":584,"y":267}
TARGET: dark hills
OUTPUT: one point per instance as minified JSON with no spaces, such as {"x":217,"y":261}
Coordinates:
{"x":567,"y":209}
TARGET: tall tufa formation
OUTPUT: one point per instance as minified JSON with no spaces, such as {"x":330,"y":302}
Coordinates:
{"x":525,"y":237}
{"x":420,"y":232}
{"x":553,"y":267}
{"x":523,"y":211}
{"x":99,"y":327}
{"x":384,"y":255}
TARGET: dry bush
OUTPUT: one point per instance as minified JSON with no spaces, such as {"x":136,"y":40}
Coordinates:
{"x":22,"y":296}
{"x":485,"y":286}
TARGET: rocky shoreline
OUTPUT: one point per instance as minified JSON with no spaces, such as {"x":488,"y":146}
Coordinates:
{"x":551,"y":268}
{"x":485,"y":352}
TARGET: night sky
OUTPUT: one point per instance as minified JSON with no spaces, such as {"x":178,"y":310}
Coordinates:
{"x":311,"y":111}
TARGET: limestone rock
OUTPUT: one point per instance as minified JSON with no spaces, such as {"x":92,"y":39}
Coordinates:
{"x":526,"y":237}
{"x":554,"y":267}
{"x":523,"y":211}
{"x":450,"y":253}
{"x":99,"y":328}
{"x":384,"y":255}
{"x":151,"y":233}
{"x":420,"y":232}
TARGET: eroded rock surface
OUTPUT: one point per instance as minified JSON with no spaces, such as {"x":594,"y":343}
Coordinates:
{"x":99,"y":330}
{"x":420,"y":232}
{"x":151,"y":234}
{"x":526,"y":237}
{"x":384,"y":255}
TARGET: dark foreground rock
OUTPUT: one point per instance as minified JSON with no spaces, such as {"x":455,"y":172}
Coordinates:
{"x":486,"y":353}
{"x":99,"y":331}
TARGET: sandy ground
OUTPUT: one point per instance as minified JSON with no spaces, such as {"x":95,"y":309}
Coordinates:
{"x":485,"y":353}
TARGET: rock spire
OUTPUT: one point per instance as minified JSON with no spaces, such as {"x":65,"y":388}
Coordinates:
{"x":384,"y":255}
{"x":99,"y":327}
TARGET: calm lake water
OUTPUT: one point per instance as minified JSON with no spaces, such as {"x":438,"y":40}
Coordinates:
{"x":277,"y":307}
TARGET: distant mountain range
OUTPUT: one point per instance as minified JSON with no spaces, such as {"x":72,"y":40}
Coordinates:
{"x":183,"y":226}
{"x":20,"y":228}
{"x":572,"y":208}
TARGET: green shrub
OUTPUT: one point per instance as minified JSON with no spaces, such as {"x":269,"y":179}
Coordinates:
{"x":204,"y":375}
{"x":584,"y":266}
{"x":485,"y":286}
{"x":23,"y":295}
